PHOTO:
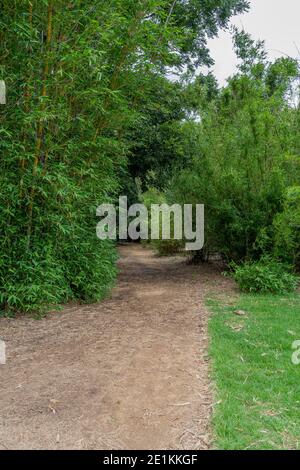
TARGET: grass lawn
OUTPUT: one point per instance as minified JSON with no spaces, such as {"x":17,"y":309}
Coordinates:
{"x":257,"y":385}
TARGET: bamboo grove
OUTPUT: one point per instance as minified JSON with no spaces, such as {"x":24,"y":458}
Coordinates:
{"x":242,"y":160}
{"x":76,"y":74}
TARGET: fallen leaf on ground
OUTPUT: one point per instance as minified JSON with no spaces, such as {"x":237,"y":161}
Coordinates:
{"x":237,"y":327}
{"x":240,"y":313}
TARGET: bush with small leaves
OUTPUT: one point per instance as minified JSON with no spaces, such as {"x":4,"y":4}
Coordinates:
{"x":265,"y":276}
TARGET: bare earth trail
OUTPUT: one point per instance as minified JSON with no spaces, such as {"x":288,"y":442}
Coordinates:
{"x":128,"y":373}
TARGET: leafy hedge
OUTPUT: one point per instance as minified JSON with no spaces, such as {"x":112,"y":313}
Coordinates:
{"x":265,"y":276}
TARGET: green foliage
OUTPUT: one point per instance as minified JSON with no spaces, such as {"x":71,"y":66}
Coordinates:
{"x":163,"y":247}
{"x":250,"y":52}
{"x":58,"y":159}
{"x":287,"y":229}
{"x":167,"y":247}
{"x":83,"y":80}
{"x":32,"y":283}
{"x":245,"y":154}
{"x":265,"y":276}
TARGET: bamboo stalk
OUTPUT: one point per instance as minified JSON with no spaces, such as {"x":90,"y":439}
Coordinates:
{"x":44,"y":87}
{"x":40,"y":129}
{"x":114,"y":81}
{"x":26,"y":103}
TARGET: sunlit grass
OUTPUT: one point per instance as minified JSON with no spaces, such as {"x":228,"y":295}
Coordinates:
{"x":257,"y":385}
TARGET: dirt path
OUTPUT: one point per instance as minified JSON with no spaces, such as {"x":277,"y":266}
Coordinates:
{"x":128,"y":373}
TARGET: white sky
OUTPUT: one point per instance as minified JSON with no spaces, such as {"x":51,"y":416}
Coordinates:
{"x":275,"y":21}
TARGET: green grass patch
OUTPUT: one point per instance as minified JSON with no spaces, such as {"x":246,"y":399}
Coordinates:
{"x":257,"y":385}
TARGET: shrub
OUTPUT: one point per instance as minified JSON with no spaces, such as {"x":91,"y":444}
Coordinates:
{"x":163,"y":247}
{"x":34,"y":282}
{"x":287,"y":229}
{"x":265,"y":276}
{"x":80,"y":269}
{"x":167,"y":247}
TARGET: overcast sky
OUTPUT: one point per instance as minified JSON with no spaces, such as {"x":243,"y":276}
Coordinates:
{"x":275,"y":21}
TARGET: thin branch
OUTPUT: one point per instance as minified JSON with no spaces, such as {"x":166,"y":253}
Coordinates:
{"x":170,"y":13}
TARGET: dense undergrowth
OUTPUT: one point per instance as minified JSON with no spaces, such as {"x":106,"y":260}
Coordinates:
{"x":244,"y":165}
